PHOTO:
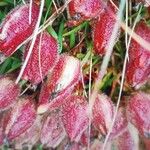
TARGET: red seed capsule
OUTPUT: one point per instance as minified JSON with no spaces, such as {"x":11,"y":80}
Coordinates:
{"x":19,"y":119}
{"x":16,"y":28}
{"x":44,"y":56}
{"x":138,"y":68}
{"x":87,"y":9}
{"x":53,"y":131}
{"x":75,"y":117}
{"x":138,"y":112}
{"x":60,"y":83}
{"x":9,"y":92}
{"x":103,"y":29}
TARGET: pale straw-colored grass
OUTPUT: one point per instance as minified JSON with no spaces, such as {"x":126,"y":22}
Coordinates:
{"x":55,"y":5}
{"x":90,"y":90}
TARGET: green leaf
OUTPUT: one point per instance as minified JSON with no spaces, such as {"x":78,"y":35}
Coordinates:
{"x":76,"y":29}
{"x":3,"y":4}
{"x":86,"y":58}
{"x":52,"y":32}
{"x":14,"y":67}
{"x":2,"y":15}
{"x":48,"y":6}
{"x":4,"y":65}
{"x":9,"y":1}
{"x":72,"y":40}
{"x":9,"y":65}
{"x":48,"y":3}
{"x":107,"y":81}
{"x":39,"y":147}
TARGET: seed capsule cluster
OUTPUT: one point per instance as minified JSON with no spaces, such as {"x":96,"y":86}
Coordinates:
{"x":57,"y":115}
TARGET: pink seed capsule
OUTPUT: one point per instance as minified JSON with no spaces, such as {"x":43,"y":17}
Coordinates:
{"x":103,"y":113}
{"x":53,"y":131}
{"x":60,"y":83}
{"x":103,"y":29}
{"x":43,"y":58}
{"x":1,"y":136}
{"x":9,"y":92}
{"x":15,"y":28}
{"x":75,"y":117}
{"x":31,"y":136}
{"x":85,"y":136}
{"x":120,"y":124}
{"x":125,"y":141}
{"x":1,"y":131}
{"x":87,"y":9}
{"x":138,"y":68}
{"x":138,"y":112}
{"x":19,"y":119}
